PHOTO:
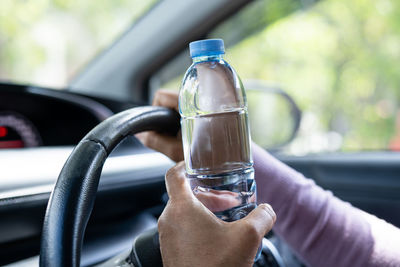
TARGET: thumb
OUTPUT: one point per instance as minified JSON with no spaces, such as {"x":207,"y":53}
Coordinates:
{"x":177,"y":186}
{"x":261,"y":219}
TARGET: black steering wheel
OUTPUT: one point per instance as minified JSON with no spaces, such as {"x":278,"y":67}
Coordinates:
{"x":72,"y":199}
{"x":73,"y":196}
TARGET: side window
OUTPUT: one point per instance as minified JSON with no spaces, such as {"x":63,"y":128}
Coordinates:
{"x":337,"y":59}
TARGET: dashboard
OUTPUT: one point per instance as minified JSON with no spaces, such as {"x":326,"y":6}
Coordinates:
{"x":16,"y":131}
{"x":39,"y":128}
{"x":34,"y":117}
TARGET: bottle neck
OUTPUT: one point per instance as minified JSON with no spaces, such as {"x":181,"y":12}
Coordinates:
{"x":208,"y":58}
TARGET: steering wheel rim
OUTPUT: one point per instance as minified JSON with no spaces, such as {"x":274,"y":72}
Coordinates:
{"x":72,"y":199}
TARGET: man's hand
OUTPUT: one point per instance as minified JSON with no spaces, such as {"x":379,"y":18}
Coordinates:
{"x":170,"y":146}
{"x":191,"y":235}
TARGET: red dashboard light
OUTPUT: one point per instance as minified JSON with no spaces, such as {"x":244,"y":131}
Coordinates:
{"x":3,"y":131}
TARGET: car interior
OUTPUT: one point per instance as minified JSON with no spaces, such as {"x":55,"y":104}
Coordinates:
{"x":50,"y":136}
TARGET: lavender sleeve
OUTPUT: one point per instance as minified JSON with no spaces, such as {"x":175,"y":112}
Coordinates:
{"x":322,"y":229}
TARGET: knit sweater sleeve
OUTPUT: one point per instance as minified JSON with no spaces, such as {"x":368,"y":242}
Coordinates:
{"x":322,"y":229}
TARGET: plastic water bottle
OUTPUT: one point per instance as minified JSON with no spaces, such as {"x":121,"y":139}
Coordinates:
{"x":215,"y":133}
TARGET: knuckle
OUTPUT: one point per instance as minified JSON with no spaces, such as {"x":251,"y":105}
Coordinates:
{"x":167,"y":222}
{"x":175,"y":152}
{"x":145,"y":138}
{"x":252,"y":232}
{"x":164,"y":222}
{"x":171,"y":172}
{"x":161,"y":222}
{"x":269,"y":210}
{"x":157,"y":96}
{"x":175,"y":171}
{"x":160,"y":92}
{"x":164,"y":229}
{"x":150,"y":140}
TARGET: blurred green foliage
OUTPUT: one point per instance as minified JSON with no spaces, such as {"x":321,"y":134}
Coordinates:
{"x":338,"y":59}
{"x":57,"y":37}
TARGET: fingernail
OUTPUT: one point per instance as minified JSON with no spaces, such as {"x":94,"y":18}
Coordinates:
{"x":198,"y":190}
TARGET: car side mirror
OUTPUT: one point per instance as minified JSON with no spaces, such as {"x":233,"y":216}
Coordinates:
{"x":274,"y":115}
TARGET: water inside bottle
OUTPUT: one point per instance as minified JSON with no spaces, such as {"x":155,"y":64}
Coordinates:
{"x":230,"y":196}
{"x":218,"y":162}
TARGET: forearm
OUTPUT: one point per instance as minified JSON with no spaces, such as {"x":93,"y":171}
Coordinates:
{"x":323,"y":230}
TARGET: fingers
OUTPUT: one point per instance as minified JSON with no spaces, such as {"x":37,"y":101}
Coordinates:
{"x":171,"y":146}
{"x":260,"y":220}
{"x":217,"y":201}
{"x":177,"y":186}
{"x":166,"y":98}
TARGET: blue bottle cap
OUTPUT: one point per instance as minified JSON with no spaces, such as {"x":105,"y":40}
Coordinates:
{"x":207,"y":47}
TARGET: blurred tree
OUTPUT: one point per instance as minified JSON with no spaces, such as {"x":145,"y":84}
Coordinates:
{"x":46,"y":41}
{"x":339,"y":60}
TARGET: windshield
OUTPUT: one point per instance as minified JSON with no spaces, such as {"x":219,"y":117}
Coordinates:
{"x":46,"y":42}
